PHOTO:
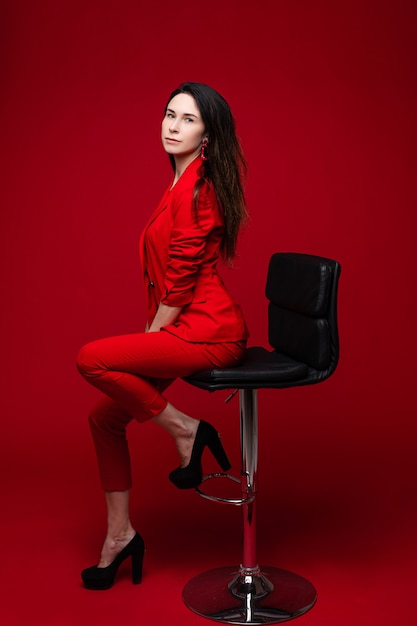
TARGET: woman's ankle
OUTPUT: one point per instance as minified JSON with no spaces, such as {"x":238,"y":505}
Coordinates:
{"x":120,"y":533}
{"x":176,"y":423}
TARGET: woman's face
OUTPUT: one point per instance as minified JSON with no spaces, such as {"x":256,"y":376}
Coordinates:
{"x":182,"y":127}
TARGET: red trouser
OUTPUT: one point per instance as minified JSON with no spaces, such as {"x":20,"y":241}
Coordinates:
{"x":133,"y":370}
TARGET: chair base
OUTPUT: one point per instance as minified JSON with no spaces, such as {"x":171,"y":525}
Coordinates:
{"x":232,"y":595}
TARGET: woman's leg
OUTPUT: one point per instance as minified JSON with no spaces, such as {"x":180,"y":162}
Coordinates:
{"x":108,"y":422}
{"x":181,"y":427}
{"x":119,"y":528}
{"x":130,"y":369}
{"x":133,"y":371}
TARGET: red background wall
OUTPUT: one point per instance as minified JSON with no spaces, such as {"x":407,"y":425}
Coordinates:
{"x":324,"y":95}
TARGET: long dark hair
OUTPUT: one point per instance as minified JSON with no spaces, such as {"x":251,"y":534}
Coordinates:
{"x":225,"y":167}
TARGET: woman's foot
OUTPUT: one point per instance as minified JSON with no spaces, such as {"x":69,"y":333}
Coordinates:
{"x":113,"y":545}
{"x":191,"y":475}
{"x":184,"y":442}
{"x":100,"y":578}
{"x":191,"y":436}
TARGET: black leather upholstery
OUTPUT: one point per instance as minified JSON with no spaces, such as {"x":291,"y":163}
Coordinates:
{"x":302,"y":325}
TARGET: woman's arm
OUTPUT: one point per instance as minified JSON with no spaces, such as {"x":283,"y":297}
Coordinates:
{"x":165,"y":315}
{"x":189,"y":232}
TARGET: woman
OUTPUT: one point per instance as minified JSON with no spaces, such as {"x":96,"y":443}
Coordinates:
{"x":192,"y":321}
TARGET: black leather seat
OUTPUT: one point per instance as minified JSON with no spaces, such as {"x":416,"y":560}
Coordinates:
{"x":304,"y":350}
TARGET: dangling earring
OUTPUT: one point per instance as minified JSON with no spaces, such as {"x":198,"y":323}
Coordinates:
{"x":204,"y":150}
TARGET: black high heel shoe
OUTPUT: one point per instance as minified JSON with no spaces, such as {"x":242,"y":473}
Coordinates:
{"x":192,"y":475}
{"x":99,"y":578}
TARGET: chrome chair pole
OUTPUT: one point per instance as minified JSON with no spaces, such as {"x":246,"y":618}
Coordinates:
{"x":249,"y":465}
{"x":246,"y":594}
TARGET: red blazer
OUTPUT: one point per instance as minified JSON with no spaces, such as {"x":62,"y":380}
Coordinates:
{"x":179,"y":252}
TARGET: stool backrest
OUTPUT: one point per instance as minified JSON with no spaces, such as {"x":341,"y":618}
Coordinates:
{"x":302,"y":312}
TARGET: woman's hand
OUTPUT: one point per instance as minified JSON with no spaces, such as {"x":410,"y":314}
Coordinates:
{"x":165,"y":315}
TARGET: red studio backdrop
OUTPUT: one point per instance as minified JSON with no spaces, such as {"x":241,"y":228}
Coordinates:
{"x":325,"y":97}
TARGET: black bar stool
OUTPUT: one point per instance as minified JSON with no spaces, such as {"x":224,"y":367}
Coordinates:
{"x":302,"y":330}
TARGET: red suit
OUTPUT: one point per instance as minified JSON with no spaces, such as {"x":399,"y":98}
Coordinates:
{"x":179,"y":250}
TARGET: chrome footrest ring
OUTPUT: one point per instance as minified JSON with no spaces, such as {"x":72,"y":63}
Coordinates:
{"x":236,"y":501}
